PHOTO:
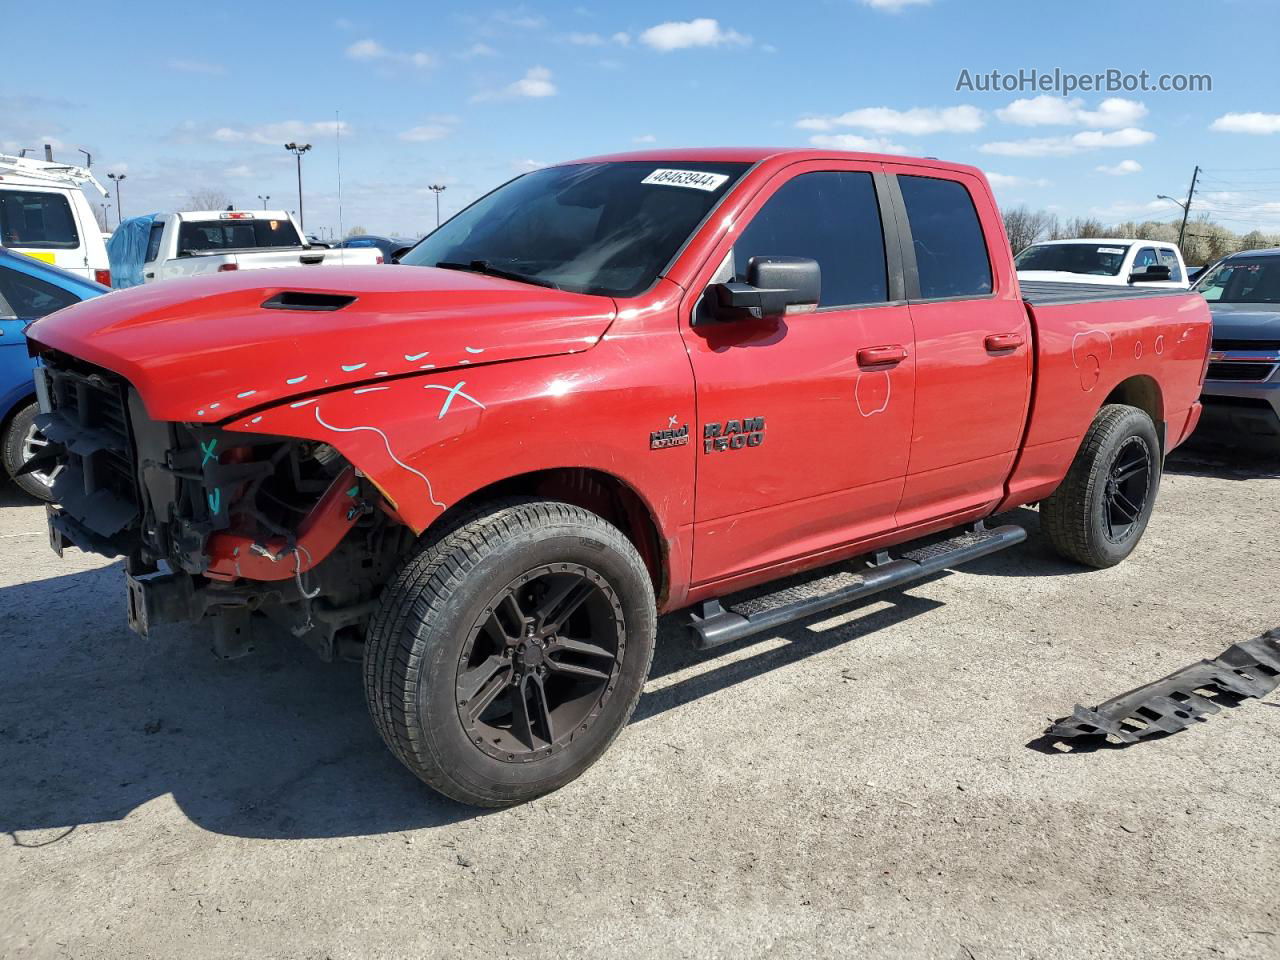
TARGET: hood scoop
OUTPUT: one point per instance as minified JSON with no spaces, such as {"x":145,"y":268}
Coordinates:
{"x":303,"y":300}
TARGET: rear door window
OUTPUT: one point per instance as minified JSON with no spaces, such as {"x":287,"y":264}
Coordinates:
{"x":33,"y":219}
{"x":950,"y":248}
{"x":30,"y":298}
{"x":832,"y":217}
{"x":1169,"y":259}
{"x":153,"y":241}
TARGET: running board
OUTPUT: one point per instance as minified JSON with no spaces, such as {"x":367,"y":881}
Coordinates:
{"x":713,"y":624}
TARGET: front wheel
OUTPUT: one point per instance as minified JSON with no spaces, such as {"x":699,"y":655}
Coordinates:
{"x":1099,"y":513}
{"x":508,"y":654}
{"x":20,"y":443}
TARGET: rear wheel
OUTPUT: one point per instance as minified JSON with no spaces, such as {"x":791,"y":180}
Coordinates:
{"x":1099,"y":513}
{"x":21,"y":442}
{"x":507,"y":654}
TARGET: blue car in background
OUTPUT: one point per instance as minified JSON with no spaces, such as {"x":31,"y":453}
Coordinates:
{"x":29,"y":289}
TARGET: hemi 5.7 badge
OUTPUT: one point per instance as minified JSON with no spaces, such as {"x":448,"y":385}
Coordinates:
{"x":671,"y":437}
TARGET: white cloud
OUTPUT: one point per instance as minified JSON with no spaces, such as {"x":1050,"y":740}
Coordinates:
{"x":1005,"y":181}
{"x":1123,"y":168}
{"x":476,"y":50}
{"x":278,"y":133}
{"x":1056,"y":111}
{"x":596,"y":39}
{"x":240,"y":172}
{"x":645,"y":138}
{"x":1065,"y":146}
{"x":426,"y":132}
{"x":372,"y":50}
{"x":1259,"y":123}
{"x":895,"y":6}
{"x":918,"y":121}
{"x":535,"y":83}
{"x":196,"y":66}
{"x":851,"y":141}
{"x":684,"y":34}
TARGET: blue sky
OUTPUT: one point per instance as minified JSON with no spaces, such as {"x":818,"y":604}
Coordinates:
{"x":470,"y":95}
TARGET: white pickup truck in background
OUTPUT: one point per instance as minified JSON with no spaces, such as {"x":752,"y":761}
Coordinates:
{"x":199,"y":242}
{"x":1106,"y":261}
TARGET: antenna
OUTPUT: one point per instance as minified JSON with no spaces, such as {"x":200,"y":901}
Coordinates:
{"x":337,"y":136}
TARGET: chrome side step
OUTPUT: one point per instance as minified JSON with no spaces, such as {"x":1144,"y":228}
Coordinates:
{"x":714,"y":623}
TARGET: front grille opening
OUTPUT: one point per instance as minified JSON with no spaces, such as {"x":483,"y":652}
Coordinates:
{"x":302,"y":300}
{"x":1240,"y":371}
{"x":1223,"y":344}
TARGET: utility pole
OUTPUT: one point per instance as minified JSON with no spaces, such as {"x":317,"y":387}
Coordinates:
{"x":437,"y":189}
{"x":298,"y":149}
{"x":117,"y":177}
{"x":1186,"y":208}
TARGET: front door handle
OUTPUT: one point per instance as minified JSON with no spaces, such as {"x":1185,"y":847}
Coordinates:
{"x":1000,"y":342}
{"x":150,"y":276}
{"x":882,"y":356}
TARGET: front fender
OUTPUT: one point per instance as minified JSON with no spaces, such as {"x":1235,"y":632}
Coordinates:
{"x":428,"y":441}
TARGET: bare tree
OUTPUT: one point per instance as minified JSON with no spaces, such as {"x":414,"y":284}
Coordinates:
{"x":209,"y":198}
{"x":357,"y":231}
{"x":1025,"y":226}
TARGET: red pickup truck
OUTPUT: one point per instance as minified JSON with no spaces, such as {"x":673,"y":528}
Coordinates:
{"x":608,"y":389}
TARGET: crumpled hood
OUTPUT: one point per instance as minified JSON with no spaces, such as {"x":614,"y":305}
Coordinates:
{"x":1245,"y":321}
{"x":206,"y":349}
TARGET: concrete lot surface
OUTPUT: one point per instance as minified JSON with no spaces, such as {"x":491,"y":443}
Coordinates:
{"x":861,"y":786}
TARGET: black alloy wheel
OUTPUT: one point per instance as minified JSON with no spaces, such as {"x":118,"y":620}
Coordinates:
{"x":540,"y":662}
{"x":1128,"y":485}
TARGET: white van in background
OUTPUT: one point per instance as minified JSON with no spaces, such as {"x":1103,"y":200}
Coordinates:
{"x":1107,"y":261}
{"x":45,"y":214}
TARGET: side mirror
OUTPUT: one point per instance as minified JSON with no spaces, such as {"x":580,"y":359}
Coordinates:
{"x":775,"y":287}
{"x":1152,"y":274}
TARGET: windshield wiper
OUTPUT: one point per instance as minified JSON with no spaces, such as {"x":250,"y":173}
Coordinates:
{"x":487,"y":268}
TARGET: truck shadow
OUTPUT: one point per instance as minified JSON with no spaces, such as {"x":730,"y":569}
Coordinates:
{"x":12,"y":496}
{"x":1198,"y":458}
{"x":95,"y":722}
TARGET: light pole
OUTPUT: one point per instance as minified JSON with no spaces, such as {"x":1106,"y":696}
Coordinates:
{"x":437,"y":189}
{"x":106,"y":223}
{"x":264,"y":200}
{"x":298,"y":149}
{"x":117,"y":177}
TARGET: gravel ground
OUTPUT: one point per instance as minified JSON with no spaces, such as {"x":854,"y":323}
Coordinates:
{"x":867,"y":785}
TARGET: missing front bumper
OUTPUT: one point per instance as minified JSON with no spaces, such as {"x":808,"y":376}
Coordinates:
{"x":1244,"y":670}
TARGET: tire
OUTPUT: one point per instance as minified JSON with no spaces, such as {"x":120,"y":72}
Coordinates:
{"x":17,"y":435}
{"x":1100,"y":511}
{"x":480,"y":601}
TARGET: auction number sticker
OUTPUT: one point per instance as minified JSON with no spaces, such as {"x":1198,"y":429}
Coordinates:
{"x":695,"y":179}
{"x":1111,"y":249}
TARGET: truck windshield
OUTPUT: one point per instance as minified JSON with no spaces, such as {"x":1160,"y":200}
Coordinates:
{"x":1242,"y":281}
{"x":599,"y":228}
{"x":1094,"y":259}
{"x":204,"y":236}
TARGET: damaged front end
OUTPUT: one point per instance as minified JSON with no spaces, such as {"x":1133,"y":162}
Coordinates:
{"x":234,"y":526}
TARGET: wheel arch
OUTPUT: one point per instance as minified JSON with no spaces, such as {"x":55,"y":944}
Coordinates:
{"x":604,"y":494}
{"x":1141,"y":391}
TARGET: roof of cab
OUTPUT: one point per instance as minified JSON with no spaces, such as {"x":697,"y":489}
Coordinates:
{"x":755,"y":155}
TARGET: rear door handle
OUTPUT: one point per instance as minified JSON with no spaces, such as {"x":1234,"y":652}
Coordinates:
{"x":881,"y":356}
{"x":149,"y":276}
{"x":999,"y":342}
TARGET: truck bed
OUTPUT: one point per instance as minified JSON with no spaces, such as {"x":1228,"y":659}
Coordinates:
{"x":1043,"y":294}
